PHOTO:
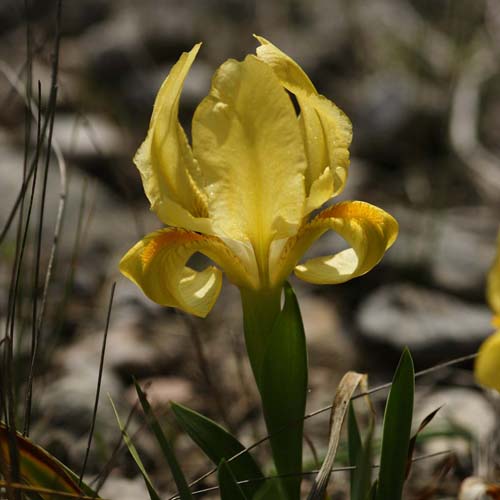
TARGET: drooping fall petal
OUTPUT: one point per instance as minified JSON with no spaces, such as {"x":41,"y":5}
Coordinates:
{"x":487,"y":365}
{"x":493,"y":286}
{"x":368,"y":230}
{"x":247,"y":140}
{"x":170,"y":174}
{"x":326,"y":130}
{"x":157,"y":264}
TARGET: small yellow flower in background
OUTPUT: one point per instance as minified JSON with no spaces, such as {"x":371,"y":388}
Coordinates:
{"x":243,"y":193}
{"x":487,"y":366}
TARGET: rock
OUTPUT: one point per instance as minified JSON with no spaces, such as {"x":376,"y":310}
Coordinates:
{"x":464,"y":248}
{"x":82,"y":15}
{"x":434,"y":325}
{"x":121,"y":488}
{"x":466,"y":410}
{"x":64,"y":411}
{"x":452,"y":248}
{"x":109,"y":49}
{"x":162,"y":390}
{"x":327,"y":343}
{"x":88,"y":137}
{"x":476,"y":488}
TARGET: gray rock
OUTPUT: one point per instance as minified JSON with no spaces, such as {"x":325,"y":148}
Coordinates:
{"x":432,"y":324}
{"x":465,"y":248}
{"x":121,"y":488}
{"x":162,"y":390}
{"x":453,"y":248}
{"x":463,"y":409}
{"x":327,"y":343}
{"x":64,"y":415}
{"x":87,"y":137}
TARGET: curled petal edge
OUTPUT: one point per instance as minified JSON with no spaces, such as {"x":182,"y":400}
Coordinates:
{"x":487,"y":364}
{"x":157,"y":265}
{"x":369,"y":231}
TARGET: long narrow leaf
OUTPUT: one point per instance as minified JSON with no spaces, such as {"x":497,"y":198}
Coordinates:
{"x":364,"y":468}
{"x":218,"y":444}
{"x":354,"y":444}
{"x":396,"y":433}
{"x":153,"y":495}
{"x":229,"y":488}
{"x":165,"y":446}
{"x":270,"y":490}
{"x":359,"y":457}
{"x":345,"y":391}
{"x":40,"y":470}
{"x":283,"y":387}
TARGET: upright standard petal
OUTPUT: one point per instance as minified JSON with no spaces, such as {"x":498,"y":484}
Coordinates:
{"x":157,"y":264}
{"x":367,"y":229}
{"x":326,"y":130}
{"x":170,"y":174}
{"x":487,"y":364}
{"x":493,"y":286}
{"x":247,"y":140}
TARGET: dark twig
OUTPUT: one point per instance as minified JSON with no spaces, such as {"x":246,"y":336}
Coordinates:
{"x":99,"y":381}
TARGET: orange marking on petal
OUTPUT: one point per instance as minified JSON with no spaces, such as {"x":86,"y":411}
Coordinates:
{"x":175,"y":236}
{"x":352,"y":210}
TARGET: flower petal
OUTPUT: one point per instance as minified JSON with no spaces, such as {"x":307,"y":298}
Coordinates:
{"x":157,"y":264}
{"x":247,"y":140}
{"x":493,"y":284}
{"x":326,"y":130}
{"x":170,"y":174}
{"x":487,"y":365}
{"x":369,"y":231}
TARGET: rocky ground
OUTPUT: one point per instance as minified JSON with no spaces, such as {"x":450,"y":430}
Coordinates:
{"x":419,"y":80}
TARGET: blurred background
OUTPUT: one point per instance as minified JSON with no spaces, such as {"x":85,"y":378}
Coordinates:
{"x":419,"y":80}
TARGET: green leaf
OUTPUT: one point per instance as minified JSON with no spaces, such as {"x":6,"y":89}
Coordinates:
{"x":229,"y":488}
{"x":360,"y":457}
{"x":168,"y":452}
{"x":218,"y":444}
{"x":153,"y":495}
{"x":354,"y":444}
{"x":42,"y":475}
{"x":396,"y":433}
{"x":283,"y":387}
{"x":270,"y":490}
{"x":364,"y":468}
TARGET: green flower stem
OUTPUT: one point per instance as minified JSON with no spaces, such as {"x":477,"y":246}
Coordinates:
{"x":260,"y":310}
{"x":277,"y":351}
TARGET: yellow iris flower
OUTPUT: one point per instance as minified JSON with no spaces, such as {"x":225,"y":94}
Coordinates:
{"x":487,"y":366}
{"x":243,"y":194}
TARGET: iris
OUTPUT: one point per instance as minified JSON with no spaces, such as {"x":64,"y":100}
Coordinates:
{"x":244,"y":192}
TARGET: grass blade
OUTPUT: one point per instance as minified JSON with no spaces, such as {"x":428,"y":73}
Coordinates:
{"x":396,"y":433}
{"x":359,"y":456}
{"x":411,"y":448}
{"x":153,"y":495}
{"x":168,"y":452}
{"x":354,"y":444}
